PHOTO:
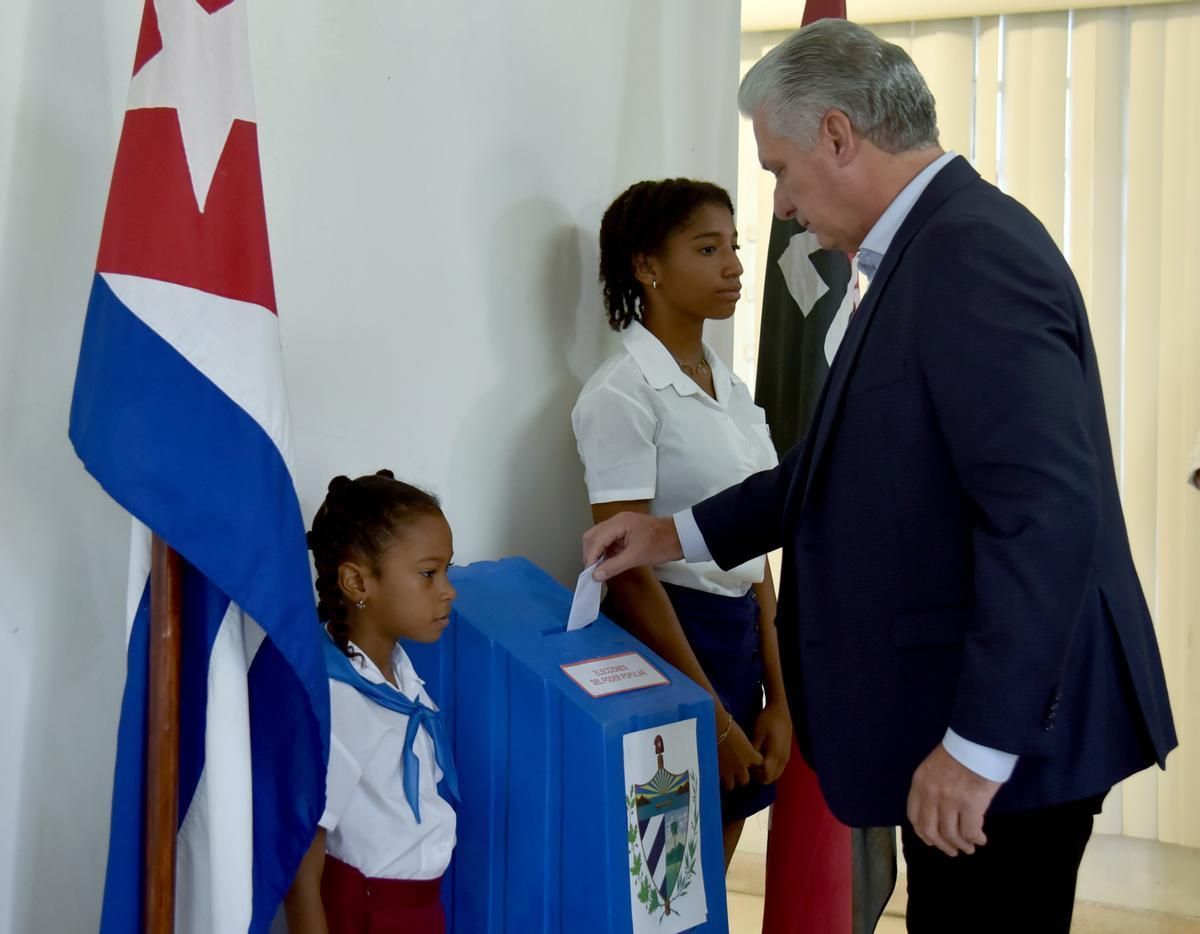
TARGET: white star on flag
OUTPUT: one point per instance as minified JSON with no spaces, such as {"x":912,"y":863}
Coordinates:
{"x":203,"y":73}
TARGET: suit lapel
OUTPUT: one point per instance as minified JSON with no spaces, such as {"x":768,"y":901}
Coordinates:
{"x":950,"y":179}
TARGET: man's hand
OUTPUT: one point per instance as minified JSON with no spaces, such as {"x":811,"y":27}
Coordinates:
{"x":630,"y":540}
{"x":773,"y":738}
{"x":946,"y":803}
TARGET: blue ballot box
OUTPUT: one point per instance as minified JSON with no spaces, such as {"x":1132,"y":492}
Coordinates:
{"x":580,"y":814}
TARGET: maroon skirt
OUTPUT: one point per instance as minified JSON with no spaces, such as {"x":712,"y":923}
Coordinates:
{"x":356,"y":904}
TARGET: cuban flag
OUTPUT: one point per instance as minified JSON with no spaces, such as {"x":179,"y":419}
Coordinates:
{"x":180,"y":413}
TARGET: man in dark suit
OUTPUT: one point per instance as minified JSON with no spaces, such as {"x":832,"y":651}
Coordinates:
{"x":966,"y":645}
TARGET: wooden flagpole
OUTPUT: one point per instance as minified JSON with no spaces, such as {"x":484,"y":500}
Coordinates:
{"x":162,"y":748}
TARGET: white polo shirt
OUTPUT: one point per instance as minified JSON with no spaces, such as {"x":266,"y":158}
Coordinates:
{"x":367,"y":819}
{"x":646,"y":431}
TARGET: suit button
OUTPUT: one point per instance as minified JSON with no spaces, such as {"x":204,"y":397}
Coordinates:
{"x":1048,"y":724}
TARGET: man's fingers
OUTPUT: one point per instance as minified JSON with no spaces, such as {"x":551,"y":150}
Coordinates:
{"x":930,"y":830}
{"x":630,"y":540}
{"x":949,"y":831}
{"x":970,"y":824}
{"x":617,"y":563}
{"x":947,"y":803}
{"x":923,"y":814}
{"x":600,"y":539}
{"x":942,"y":844}
{"x":939,"y":823}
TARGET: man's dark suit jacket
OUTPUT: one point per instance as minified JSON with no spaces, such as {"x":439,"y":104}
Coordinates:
{"x":955,"y":554}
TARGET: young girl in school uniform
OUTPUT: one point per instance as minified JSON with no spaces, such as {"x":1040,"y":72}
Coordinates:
{"x":664,"y":424}
{"x":381,"y":549}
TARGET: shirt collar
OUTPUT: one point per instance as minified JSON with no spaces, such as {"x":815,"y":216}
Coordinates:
{"x":879,"y":238}
{"x":406,"y":676}
{"x":661,"y":370}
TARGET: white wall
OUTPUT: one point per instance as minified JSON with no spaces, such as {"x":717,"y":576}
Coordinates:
{"x":435,"y":175}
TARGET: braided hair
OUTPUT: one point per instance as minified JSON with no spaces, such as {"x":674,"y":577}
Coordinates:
{"x":357,"y":522}
{"x":639,"y":223}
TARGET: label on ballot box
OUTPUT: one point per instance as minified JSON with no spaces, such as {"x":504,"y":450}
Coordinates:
{"x":612,"y":674}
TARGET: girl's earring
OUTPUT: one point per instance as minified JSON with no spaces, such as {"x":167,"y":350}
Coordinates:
{"x":654,"y":283}
{"x":360,"y":605}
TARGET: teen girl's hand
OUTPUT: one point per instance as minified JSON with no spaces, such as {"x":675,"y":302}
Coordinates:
{"x":773,"y":738}
{"x":736,"y":755}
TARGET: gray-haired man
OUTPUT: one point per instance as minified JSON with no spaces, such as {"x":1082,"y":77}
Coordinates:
{"x":966,"y":646}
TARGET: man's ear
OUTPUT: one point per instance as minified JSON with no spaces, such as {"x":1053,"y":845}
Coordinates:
{"x":836,"y":134}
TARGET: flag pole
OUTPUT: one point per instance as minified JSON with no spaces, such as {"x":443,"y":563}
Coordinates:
{"x":162,"y":753}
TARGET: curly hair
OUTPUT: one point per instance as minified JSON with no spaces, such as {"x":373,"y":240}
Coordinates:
{"x":356,"y":522}
{"x":639,"y":223}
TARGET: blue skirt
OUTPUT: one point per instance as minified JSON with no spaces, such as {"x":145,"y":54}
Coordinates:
{"x":723,"y":632}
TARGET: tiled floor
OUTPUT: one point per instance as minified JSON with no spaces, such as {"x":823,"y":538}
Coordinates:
{"x":745,"y":917}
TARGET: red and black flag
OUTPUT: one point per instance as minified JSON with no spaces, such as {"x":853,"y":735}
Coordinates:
{"x":821,"y":876}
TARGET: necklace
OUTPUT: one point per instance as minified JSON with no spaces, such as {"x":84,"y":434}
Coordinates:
{"x":693,"y":369}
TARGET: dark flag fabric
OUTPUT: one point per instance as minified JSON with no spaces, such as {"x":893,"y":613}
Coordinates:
{"x":807,"y":300}
{"x":822,"y":877}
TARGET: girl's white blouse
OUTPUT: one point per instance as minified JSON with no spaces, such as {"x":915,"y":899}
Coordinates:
{"x":367,"y":819}
{"x":646,"y":431}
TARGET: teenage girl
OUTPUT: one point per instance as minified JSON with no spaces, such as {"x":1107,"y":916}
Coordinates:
{"x":381,"y":549}
{"x":664,"y":424}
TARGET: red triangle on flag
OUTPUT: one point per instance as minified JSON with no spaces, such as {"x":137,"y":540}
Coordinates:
{"x":154,"y":228}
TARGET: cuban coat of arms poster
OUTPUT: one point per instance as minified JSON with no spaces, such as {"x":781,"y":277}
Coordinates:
{"x":662,"y":808}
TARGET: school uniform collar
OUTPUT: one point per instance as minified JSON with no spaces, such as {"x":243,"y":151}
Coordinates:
{"x":406,"y":676}
{"x":660,"y":369}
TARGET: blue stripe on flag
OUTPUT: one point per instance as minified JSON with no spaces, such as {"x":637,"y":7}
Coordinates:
{"x":122,"y":909}
{"x":203,"y":609}
{"x":192,"y":465}
{"x":283,"y":821}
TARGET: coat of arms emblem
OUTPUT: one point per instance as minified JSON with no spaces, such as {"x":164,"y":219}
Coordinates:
{"x":663,"y":835}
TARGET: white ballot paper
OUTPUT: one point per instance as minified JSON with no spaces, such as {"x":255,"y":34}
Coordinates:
{"x":585,"y":605}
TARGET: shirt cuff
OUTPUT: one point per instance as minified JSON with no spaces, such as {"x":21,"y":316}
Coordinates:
{"x":992,"y":764}
{"x":694,"y":548}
